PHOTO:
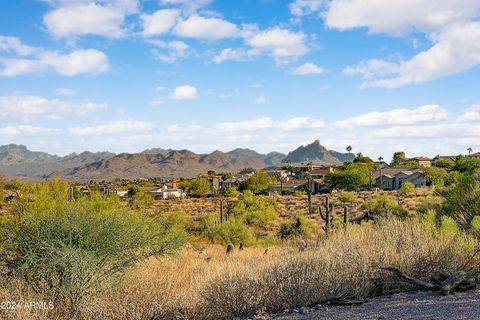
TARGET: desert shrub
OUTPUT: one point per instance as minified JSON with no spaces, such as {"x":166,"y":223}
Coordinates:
{"x":407,"y":189}
{"x":255,"y":210}
{"x":138,"y":198}
{"x":429,"y":221}
{"x":448,"y":227}
{"x":230,"y":192}
{"x":475,"y":225}
{"x":73,"y":246}
{"x":461,"y":198}
{"x":431,"y":202}
{"x":385,"y":207}
{"x":200,"y":187}
{"x":234,"y":230}
{"x":348,"y":197}
{"x":300,"y":226}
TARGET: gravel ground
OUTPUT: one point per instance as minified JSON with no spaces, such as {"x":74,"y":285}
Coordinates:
{"x":419,"y":305}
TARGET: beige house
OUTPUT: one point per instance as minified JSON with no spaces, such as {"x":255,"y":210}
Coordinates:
{"x":423,"y":162}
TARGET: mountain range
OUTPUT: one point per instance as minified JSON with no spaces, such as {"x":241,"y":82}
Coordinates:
{"x":17,"y":161}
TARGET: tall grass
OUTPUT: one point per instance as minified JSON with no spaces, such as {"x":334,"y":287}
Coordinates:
{"x":204,"y":283}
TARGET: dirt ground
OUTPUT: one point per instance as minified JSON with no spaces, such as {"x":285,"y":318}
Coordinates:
{"x":411,"y":306}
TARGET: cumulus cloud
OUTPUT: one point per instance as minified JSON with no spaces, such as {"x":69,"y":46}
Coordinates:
{"x":113,"y":128}
{"x":26,"y":130}
{"x":452,"y":28}
{"x":236,"y":55}
{"x":456,"y":49}
{"x":308,"y":69}
{"x":427,"y":113}
{"x":305,"y":7}
{"x":12,"y":44}
{"x":31,"y":60}
{"x":399,"y":17}
{"x":264,"y":123}
{"x":170,"y":51}
{"x":78,"y":18}
{"x":471,"y":114}
{"x":27,"y":107}
{"x":159,"y":22}
{"x":185,"y":92}
{"x":198,"y":27}
{"x":280,"y":43}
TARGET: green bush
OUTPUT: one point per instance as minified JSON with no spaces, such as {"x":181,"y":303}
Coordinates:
{"x":407,"y":189}
{"x":448,"y":227}
{"x":255,"y":210}
{"x":200,"y":187}
{"x":385,"y":207}
{"x":348,"y":197}
{"x":231,"y":192}
{"x":258,"y":183}
{"x":475,"y":225}
{"x":300,"y":226}
{"x":73,"y":246}
{"x":233,"y":231}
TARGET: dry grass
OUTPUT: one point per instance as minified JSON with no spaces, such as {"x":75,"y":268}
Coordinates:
{"x":204,"y":283}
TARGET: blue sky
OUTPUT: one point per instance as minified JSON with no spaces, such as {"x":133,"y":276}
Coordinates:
{"x":126,"y":75}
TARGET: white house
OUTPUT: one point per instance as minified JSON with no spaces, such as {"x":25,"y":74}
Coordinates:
{"x":168,"y":193}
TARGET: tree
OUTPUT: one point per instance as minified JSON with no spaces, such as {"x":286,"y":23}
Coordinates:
{"x":470,"y":150}
{"x":349,"y":177}
{"x":349,"y":149}
{"x":258,"y":183}
{"x":246,"y":171}
{"x":399,"y":156}
{"x":435,"y":176}
{"x":200,"y":187}
{"x":463,"y":164}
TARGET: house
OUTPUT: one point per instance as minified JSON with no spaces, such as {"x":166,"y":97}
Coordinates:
{"x":423,"y":162}
{"x":291,"y":186}
{"x":320,"y":173}
{"x":395,"y":178}
{"x":168,"y":193}
{"x":119,"y":192}
{"x":474,"y":156}
{"x":382,"y":164}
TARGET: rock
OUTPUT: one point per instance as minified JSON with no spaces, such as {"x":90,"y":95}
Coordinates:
{"x":303,"y":310}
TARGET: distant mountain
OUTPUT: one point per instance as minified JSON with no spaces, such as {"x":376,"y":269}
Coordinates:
{"x":156,"y":151}
{"x":318,"y":154}
{"x":13,"y":153}
{"x":173,"y":164}
{"x":272,"y":158}
{"x":17,"y":161}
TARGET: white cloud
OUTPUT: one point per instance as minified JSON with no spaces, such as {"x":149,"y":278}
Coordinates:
{"x":423,"y":114}
{"x":25,"y":130}
{"x":456,"y":49}
{"x":159,"y":22}
{"x":198,"y":27}
{"x":33,"y":60}
{"x":305,"y":7}
{"x":12,"y":44}
{"x":399,"y":17}
{"x":308,"y":69}
{"x":185,"y":92}
{"x":471,"y":114}
{"x":172,"y":50}
{"x":235,"y":54}
{"x":297,"y":123}
{"x":79,"y":18}
{"x":28,"y":107}
{"x":280,"y":43}
{"x":113,"y":128}
{"x":65,"y":92}
{"x":261,"y":100}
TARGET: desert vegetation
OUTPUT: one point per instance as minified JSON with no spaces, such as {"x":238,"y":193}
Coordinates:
{"x":98,"y":257}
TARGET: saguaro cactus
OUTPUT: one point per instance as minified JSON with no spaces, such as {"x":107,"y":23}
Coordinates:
{"x":221,"y":211}
{"x":345,"y":218}
{"x":328,"y":216}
